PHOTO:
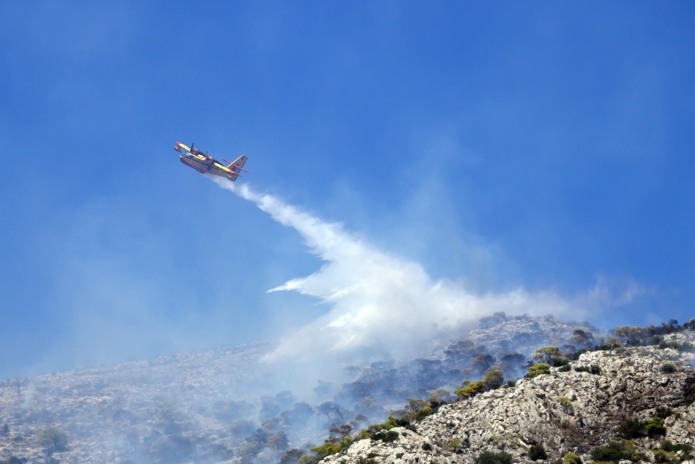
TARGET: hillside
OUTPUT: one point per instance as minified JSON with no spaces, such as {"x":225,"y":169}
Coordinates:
{"x":227,"y":406}
{"x":617,"y":404}
{"x":143,"y":411}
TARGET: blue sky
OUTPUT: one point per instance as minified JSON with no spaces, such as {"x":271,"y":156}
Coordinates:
{"x":496,"y":148}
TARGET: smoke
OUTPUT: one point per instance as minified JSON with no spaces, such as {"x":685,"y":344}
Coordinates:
{"x":381,"y":303}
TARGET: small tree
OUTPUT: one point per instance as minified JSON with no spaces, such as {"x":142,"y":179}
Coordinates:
{"x":53,"y":440}
{"x":483,"y":362}
{"x":493,"y":379}
{"x":547,"y":353}
{"x":440,"y":396}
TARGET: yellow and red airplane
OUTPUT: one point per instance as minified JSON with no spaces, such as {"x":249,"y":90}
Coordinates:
{"x":194,"y":158}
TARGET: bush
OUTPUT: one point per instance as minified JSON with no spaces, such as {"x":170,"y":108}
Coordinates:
{"x":547,"y":353}
{"x":567,"y":405}
{"x":327,"y":449}
{"x":631,"y":428}
{"x":308,"y":459}
{"x":593,"y":369}
{"x":666,"y":445}
{"x":689,"y":391}
{"x":392,"y":422}
{"x":537,"y":452}
{"x":489,"y":457}
{"x":470,"y":389}
{"x":385,"y":436}
{"x":455,"y":444}
{"x":538,"y":369}
{"x":571,"y":458}
{"x":54,"y":440}
{"x":611,"y":452}
{"x":668,"y":368}
{"x":664,"y":412}
{"x":661,"y":456}
{"x":655,"y":427}
{"x":493,"y":379}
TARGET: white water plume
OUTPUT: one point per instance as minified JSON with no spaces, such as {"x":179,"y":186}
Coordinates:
{"x":380,"y":302}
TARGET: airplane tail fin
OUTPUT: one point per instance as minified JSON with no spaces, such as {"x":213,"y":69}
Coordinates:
{"x":178,"y":146}
{"x":237,"y":166}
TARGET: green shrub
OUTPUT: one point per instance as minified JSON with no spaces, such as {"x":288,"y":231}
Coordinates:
{"x":611,"y":452}
{"x":493,"y":379}
{"x":571,"y":458}
{"x":455,"y":444}
{"x":668,"y":368}
{"x":385,"y":436}
{"x":664,"y":412}
{"x":392,"y":422}
{"x":547,"y":353}
{"x":566,"y":405}
{"x":593,"y":369}
{"x":689,"y":391}
{"x":655,"y":427}
{"x":327,"y":449}
{"x":308,"y":459}
{"x":489,"y":457}
{"x":537,"y":452}
{"x":471,"y":389}
{"x":666,"y":445}
{"x":631,"y":428}
{"x":661,"y":456}
{"x":54,"y":440}
{"x":538,"y":369}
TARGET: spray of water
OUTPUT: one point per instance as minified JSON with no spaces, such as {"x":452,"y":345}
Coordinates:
{"x":380,"y":303}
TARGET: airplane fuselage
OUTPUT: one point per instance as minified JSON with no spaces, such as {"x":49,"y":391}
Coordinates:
{"x":204,"y":164}
{"x":194,"y":158}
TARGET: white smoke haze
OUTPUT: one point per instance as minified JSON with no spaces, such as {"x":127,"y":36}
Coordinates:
{"x":380,"y":303}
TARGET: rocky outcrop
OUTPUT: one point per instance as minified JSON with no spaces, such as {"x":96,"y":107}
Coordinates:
{"x":572,"y":409}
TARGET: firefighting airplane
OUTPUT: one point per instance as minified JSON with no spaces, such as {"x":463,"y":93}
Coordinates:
{"x":194,"y":158}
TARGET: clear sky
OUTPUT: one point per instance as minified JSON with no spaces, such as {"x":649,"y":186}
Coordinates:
{"x":501,"y":155}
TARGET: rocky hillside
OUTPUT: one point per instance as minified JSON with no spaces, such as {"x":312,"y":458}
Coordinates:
{"x":622,"y":404}
{"x":167,"y":409}
{"x":226,"y":406}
